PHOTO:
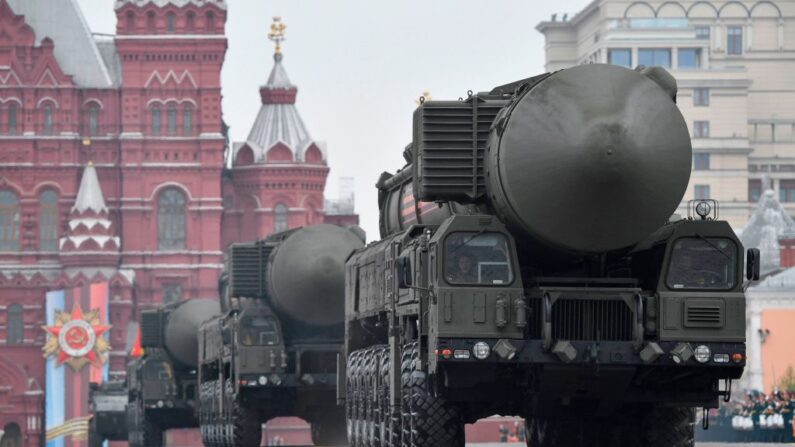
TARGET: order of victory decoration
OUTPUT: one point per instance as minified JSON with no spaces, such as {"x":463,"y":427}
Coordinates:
{"x":76,"y":338}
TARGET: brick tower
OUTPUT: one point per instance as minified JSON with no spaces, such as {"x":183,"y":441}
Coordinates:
{"x":171,"y":53}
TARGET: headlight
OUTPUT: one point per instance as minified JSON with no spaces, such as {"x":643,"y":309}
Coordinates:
{"x":481,"y":350}
{"x":276,"y":380}
{"x":702,"y":354}
{"x":263,"y":380}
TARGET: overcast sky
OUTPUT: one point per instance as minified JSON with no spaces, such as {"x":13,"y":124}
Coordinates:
{"x":360,"y":65}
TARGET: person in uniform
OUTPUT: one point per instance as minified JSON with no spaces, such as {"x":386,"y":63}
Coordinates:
{"x":463,"y":269}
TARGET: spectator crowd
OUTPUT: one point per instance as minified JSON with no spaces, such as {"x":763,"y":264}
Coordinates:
{"x":758,"y":417}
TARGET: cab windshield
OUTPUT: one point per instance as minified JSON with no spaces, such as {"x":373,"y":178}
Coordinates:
{"x":157,"y":370}
{"x":703,"y":263}
{"x":477,"y":259}
{"x":258,"y":331}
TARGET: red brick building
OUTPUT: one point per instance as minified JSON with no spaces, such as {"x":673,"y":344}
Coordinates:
{"x":112,"y":168}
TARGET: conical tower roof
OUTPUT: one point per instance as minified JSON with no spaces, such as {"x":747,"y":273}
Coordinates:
{"x":89,"y":196}
{"x":91,"y":233}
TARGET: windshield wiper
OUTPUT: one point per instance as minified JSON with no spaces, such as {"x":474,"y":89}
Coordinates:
{"x":711,"y":244}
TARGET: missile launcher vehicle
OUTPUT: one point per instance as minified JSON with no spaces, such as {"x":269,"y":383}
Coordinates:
{"x":275,"y":349}
{"x":531,"y":264}
{"x":162,"y":384}
{"x":108,"y":406}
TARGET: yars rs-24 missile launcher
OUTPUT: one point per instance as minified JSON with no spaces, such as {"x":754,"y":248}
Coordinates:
{"x":529,"y":265}
{"x":162,"y":384}
{"x":275,"y":349}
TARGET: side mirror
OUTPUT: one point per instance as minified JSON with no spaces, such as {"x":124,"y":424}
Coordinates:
{"x":226,"y":336}
{"x":404,"y":275}
{"x":752,"y":264}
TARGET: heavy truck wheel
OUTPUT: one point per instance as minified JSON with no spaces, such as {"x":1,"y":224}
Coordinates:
{"x":352,"y":402}
{"x":432,"y":421}
{"x":153,"y":435}
{"x":246,"y":426}
{"x":390,"y":425}
{"x":330,"y":430}
{"x":669,"y":427}
{"x":656,"y":427}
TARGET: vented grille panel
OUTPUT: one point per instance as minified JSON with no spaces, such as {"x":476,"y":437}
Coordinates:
{"x":246,"y":269}
{"x":151,"y":329}
{"x":590,"y":320}
{"x":449,"y":143}
{"x":703,"y":315}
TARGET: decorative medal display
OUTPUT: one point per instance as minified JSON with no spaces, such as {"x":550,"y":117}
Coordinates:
{"x":76,"y":338}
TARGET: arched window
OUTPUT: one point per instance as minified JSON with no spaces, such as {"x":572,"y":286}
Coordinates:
{"x":171,"y":22}
{"x":156,"y":120}
{"x":48,"y":221}
{"x":12,"y":119}
{"x":280,"y":222}
{"x":46,"y":116}
{"x":9,"y":221}
{"x":191,"y":21}
{"x":171,"y":220}
{"x":150,"y":21}
{"x":93,"y":119}
{"x":187,"y":121}
{"x":210,"y":19}
{"x":172,"y":120}
{"x":130,"y":21}
{"x":16,"y":325}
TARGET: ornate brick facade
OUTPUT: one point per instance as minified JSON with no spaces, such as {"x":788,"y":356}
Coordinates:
{"x":112,"y":169}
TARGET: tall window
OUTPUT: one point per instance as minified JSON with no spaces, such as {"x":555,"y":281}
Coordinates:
{"x":130,"y":21}
{"x":655,"y":56}
{"x":620,"y":56}
{"x":171,"y":22}
{"x":16,"y":325}
{"x":187,"y":121}
{"x":701,"y":192}
{"x":172,"y":293}
{"x":701,"y":129}
{"x":190,"y":24}
{"x":12,"y":119}
{"x":786,"y":191}
{"x":9,"y":221}
{"x":171,"y":220}
{"x":172,"y":120}
{"x":93,"y":119}
{"x":280,"y":221}
{"x":48,"y":221}
{"x":150,"y":21}
{"x":754,"y":190}
{"x":47,"y":120}
{"x":156,"y":121}
{"x":700,"y":161}
{"x":702,"y":32}
{"x":689,"y":58}
{"x":210,"y":19}
{"x":701,"y":96}
{"x":734,"y":40}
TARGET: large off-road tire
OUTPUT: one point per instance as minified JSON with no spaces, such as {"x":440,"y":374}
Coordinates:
{"x":669,"y":427}
{"x":390,"y":424}
{"x":651,"y":427}
{"x":95,"y":439}
{"x":153,"y":435}
{"x":370,"y":385}
{"x":354,"y":400}
{"x":433,"y":421}
{"x":246,"y":426}
{"x":330,"y":432}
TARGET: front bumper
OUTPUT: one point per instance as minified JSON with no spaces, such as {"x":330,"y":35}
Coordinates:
{"x":533,"y":352}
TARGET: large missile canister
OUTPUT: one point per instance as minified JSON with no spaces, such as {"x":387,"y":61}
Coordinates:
{"x":182,"y":326}
{"x":590,"y":159}
{"x":306,"y":274}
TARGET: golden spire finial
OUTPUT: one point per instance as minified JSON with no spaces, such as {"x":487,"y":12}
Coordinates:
{"x":277,"y":34}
